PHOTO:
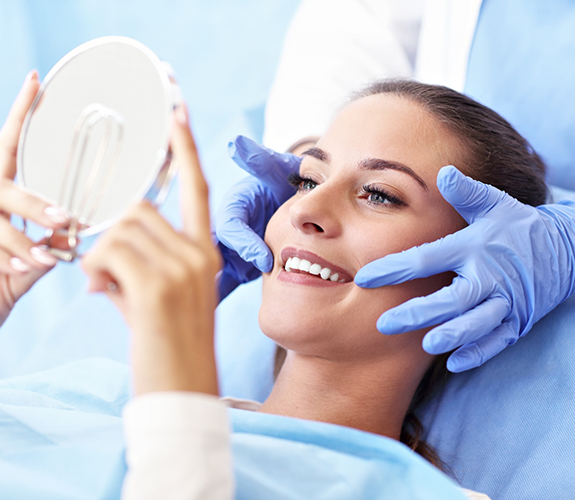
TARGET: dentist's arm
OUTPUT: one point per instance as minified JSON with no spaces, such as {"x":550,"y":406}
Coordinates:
{"x":514,"y":264}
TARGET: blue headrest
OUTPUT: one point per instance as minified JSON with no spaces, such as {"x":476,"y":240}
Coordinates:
{"x":506,"y":427}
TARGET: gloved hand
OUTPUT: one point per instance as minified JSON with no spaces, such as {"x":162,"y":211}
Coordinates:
{"x":514,"y":264}
{"x":240,"y":223}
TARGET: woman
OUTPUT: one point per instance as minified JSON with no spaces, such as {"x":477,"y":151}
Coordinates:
{"x":368,"y":188}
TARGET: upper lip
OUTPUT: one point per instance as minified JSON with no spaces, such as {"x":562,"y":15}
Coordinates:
{"x":288,"y":252}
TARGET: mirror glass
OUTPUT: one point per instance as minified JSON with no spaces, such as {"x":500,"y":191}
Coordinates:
{"x":97,"y":136}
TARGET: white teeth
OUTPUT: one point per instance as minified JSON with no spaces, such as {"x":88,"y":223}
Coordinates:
{"x":315,"y":269}
{"x":304,"y":265}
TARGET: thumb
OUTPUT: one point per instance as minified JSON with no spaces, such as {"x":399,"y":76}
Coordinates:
{"x":270,"y":167}
{"x":471,"y":198}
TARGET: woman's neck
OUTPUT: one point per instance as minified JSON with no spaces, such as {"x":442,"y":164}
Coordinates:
{"x":372,"y":397}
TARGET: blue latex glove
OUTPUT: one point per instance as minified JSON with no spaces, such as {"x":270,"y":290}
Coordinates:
{"x":241,"y":222}
{"x":514,"y":264}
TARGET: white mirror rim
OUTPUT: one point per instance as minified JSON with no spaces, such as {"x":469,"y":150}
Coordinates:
{"x":131,"y":82}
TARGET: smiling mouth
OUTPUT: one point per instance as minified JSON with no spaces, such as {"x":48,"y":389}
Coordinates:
{"x":304,"y":266}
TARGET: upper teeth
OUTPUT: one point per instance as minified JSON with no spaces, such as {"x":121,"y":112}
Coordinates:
{"x":307,"y":266}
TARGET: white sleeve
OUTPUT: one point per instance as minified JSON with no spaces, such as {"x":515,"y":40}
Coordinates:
{"x":177,"y":448}
{"x":331,"y":49}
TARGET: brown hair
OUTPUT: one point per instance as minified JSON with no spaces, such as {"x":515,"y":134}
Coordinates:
{"x":495,"y":153}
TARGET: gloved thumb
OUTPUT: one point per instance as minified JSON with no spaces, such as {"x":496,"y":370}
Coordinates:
{"x":471,"y":198}
{"x":270,"y":167}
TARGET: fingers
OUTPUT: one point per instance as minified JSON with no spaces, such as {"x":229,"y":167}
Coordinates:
{"x":476,"y":353}
{"x":247,"y":210}
{"x":469,"y":327}
{"x":119,"y":262}
{"x":144,"y":216}
{"x":14,"y":200}
{"x":18,"y":285}
{"x":193,"y":186}
{"x":10,"y":133}
{"x":18,"y":253}
{"x":268,"y":166}
{"x":249,"y":246}
{"x":156,"y":246}
{"x":439,"y":307}
{"x":445,"y":254}
{"x":471,"y":198}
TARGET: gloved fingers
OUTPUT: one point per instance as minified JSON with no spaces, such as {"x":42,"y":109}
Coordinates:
{"x":476,"y":353}
{"x":471,"y":198}
{"x":237,"y":221}
{"x":439,"y":307}
{"x":237,"y":235}
{"x":469,"y":327}
{"x":270,"y":167}
{"x":446,"y":254}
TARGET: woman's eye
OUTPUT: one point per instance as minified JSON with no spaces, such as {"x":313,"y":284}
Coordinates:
{"x":307,"y":184}
{"x":301,"y":183}
{"x":377,"y":196}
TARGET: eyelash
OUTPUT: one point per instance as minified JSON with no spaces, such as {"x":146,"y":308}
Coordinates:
{"x":297,"y":181}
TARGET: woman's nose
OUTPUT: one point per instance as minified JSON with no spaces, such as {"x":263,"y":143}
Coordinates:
{"x":315,"y":212}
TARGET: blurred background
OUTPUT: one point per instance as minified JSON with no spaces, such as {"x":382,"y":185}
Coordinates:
{"x":224,"y":53}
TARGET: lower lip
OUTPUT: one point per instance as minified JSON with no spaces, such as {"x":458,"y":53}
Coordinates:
{"x":306,"y":279}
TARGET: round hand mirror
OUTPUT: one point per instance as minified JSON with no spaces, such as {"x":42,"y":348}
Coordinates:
{"x":96,"y":138}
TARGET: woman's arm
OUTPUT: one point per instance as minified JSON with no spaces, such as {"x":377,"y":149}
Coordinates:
{"x":163,"y":282}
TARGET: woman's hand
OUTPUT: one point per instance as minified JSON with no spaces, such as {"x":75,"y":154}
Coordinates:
{"x":163,"y":282}
{"x":22,"y":263}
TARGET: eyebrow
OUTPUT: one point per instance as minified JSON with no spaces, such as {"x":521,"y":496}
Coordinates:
{"x":369,"y":164}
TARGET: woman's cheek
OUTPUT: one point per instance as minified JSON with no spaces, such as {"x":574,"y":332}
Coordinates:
{"x":277,"y":228}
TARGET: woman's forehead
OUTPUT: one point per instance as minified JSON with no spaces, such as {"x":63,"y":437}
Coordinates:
{"x":391,"y":127}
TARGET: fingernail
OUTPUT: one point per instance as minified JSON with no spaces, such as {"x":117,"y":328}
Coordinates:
{"x":17,"y":264}
{"x":57,"y":215}
{"x":181,"y":115}
{"x":43,"y":257}
{"x":32,"y":75}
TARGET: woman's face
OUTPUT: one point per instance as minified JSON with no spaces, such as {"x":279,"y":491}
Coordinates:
{"x":368,"y":190}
